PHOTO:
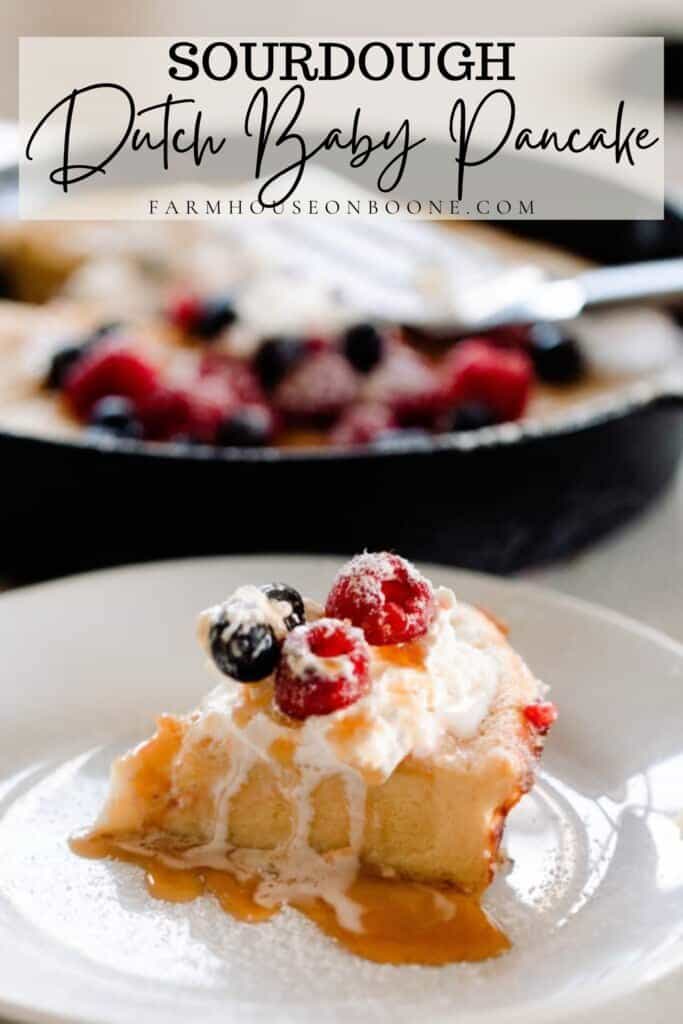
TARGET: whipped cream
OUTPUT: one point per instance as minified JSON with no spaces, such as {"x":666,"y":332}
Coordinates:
{"x":248,"y":606}
{"x":445,"y":686}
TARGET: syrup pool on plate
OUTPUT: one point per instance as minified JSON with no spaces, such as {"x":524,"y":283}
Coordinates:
{"x":401,"y":922}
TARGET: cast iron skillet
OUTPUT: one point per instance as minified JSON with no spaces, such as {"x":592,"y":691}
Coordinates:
{"x":498,"y":500}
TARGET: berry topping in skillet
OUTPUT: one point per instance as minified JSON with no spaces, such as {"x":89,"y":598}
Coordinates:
{"x":61,"y":363}
{"x":408,"y":383}
{"x":68,"y":355}
{"x":184,"y":312}
{"x":204,"y":318}
{"x":275,"y":357}
{"x":165,"y":414}
{"x":363,"y":346}
{"x":109,"y":369}
{"x":249,"y":426}
{"x":216,"y":316}
{"x":479,"y":371}
{"x":318,"y":388}
{"x":116,"y":415}
{"x":469,"y":416}
{"x":557,"y":356}
{"x":362,"y":424}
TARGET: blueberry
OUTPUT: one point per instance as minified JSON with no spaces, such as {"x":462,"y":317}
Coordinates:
{"x":67,"y":356}
{"x":115,"y":415}
{"x":471,"y":416}
{"x":60,"y":364}
{"x":246,"y":652}
{"x":557,"y":356}
{"x":363,"y":346}
{"x":248,"y":427}
{"x":275,"y":357}
{"x":283,"y":592}
{"x":216,"y":315}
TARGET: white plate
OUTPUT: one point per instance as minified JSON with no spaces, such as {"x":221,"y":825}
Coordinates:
{"x":593,"y":904}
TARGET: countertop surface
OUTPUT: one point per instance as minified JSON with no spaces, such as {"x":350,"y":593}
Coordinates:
{"x":637,"y":571}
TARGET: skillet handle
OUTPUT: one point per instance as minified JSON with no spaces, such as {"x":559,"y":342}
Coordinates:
{"x":657,"y":279}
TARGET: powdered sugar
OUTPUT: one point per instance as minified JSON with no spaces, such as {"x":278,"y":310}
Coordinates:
{"x":323,"y":384}
{"x":303,"y":662}
{"x":248,"y":606}
{"x":385,"y":595}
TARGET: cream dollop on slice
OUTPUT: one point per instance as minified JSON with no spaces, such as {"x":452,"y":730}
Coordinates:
{"x":442,"y":683}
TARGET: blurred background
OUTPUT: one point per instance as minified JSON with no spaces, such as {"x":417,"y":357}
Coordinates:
{"x":639,"y":568}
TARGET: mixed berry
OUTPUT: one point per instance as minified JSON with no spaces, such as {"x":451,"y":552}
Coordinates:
{"x":357,"y":388}
{"x":323,"y":666}
{"x":541,"y":716}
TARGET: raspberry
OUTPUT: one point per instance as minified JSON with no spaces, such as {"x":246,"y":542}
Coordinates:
{"x":362,"y":424}
{"x":235,"y":374}
{"x":165,"y":414}
{"x":205,"y":319}
{"x":211,"y":400}
{"x":541,"y":715}
{"x":185,"y":311}
{"x":407,"y":383}
{"x":318,"y":387}
{"x":510,"y":335}
{"x":275,"y":357}
{"x":324,"y":666}
{"x":109,"y":370}
{"x":478,"y":371}
{"x":316,"y":344}
{"x":385,"y":596}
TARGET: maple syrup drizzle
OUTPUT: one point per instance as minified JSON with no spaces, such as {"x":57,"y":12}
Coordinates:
{"x":403,"y":922}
